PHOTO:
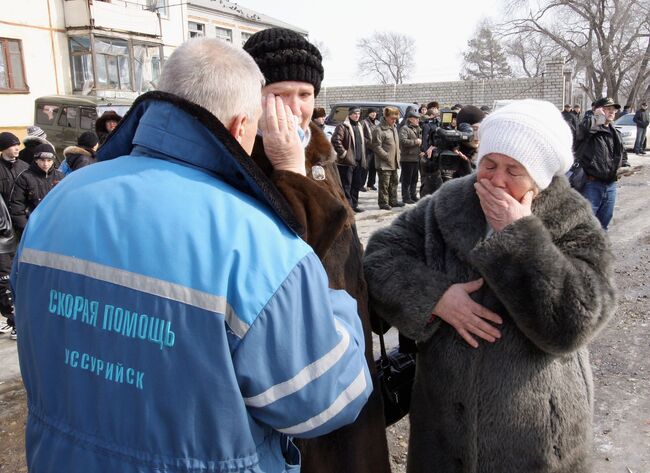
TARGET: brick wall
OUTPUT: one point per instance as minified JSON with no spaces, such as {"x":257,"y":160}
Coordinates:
{"x":551,"y":86}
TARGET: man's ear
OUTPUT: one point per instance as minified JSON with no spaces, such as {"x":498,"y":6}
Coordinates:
{"x":238,"y":125}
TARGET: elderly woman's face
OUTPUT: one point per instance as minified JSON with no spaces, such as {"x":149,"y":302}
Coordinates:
{"x":507,"y":174}
{"x":299,"y":96}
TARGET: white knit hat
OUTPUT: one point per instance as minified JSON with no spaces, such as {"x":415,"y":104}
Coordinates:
{"x":533,"y":133}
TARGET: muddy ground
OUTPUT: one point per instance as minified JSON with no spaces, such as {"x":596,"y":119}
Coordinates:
{"x":620,"y":354}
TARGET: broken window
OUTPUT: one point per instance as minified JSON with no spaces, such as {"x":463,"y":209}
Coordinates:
{"x":113,"y":63}
{"x":146,"y":66}
{"x":82,"y":63}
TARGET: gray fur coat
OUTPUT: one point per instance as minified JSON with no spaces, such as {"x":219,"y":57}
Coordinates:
{"x":524,"y":403}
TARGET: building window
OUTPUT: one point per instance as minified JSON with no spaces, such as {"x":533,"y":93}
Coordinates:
{"x":146,"y":66}
{"x":244,"y":37}
{"x":82,"y":63}
{"x":197,"y":30}
{"x":113,"y":64}
{"x":116,"y":59}
{"x":224,"y":34}
{"x":12,"y":71}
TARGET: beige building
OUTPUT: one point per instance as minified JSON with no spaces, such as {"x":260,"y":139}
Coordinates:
{"x":110,"y":48}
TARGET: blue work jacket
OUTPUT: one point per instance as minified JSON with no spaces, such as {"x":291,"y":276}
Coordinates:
{"x":170,"y":319}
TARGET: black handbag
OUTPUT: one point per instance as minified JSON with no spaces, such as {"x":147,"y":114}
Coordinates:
{"x":395,"y":374}
{"x":577,"y":176}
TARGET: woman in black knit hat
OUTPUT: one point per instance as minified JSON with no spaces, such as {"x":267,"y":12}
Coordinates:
{"x":293,"y":71}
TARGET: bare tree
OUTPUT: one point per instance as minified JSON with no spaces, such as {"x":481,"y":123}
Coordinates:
{"x":322,"y":47}
{"x":484,"y":58}
{"x":605,"y":40}
{"x":387,"y":57}
{"x":529,"y":53}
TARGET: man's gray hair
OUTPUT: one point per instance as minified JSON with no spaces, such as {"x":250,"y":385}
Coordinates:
{"x":219,"y":77}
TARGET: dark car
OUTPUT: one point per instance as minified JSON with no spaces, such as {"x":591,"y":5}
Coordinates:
{"x":339,"y":111}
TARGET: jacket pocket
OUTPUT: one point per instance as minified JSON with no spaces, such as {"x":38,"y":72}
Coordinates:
{"x":291,"y":455}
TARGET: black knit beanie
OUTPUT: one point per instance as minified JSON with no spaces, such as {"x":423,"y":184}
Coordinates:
{"x":284,"y":55}
{"x":7,"y":140}
{"x":44,"y":151}
{"x":87,"y":139}
{"x":470,"y":114}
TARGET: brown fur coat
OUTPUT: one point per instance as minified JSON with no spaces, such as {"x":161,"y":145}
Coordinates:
{"x":328,"y":226}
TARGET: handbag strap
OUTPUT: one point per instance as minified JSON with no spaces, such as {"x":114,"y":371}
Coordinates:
{"x":382,"y":344}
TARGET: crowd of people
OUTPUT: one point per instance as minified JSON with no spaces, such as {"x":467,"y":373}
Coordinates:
{"x":198,"y":299}
{"x":27,"y":175}
{"x":405,"y":152}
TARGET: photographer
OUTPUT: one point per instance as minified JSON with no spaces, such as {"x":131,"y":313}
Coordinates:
{"x":469,"y":120}
{"x":456,"y":145}
{"x":430,"y":124}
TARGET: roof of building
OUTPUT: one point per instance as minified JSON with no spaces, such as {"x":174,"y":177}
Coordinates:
{"x":232,"y":8}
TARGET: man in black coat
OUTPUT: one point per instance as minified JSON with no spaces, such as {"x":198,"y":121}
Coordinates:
{"x":349,"y":144}
{"x":571,"y":119}
{"x":600,"y":152}
{"x":642,"y":121}
{"x":10,"y":168}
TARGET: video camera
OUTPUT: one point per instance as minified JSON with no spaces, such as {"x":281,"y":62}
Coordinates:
{"x":447,"y":140}
{"x":448,"y":137}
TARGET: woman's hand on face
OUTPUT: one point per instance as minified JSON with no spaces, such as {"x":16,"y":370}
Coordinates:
{"x":459,"y":310}
{"x":281,"y":142}
{"x":499,"y":207}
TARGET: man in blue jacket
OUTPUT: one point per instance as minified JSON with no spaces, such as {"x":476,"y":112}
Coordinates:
{"x":171,"y":319}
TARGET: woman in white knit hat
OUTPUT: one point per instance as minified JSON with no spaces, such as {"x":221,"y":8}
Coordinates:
{"x":502,"y":277}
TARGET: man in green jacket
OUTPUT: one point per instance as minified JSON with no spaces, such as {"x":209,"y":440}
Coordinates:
{"x":385,"y":144}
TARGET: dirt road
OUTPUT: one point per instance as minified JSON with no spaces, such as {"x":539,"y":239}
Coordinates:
{"x":620,"y":354}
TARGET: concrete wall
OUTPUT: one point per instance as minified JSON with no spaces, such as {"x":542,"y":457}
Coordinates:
{"x":550,"y":87}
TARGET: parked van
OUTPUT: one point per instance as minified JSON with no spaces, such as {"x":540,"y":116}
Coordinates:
{"x":65,"y":117}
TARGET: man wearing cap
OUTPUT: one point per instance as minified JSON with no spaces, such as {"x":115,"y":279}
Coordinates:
{"x":293,"y":71}
{"x":385,"y":144}
{"x":642,"y":121}
{"x":577,"y":109}
{"x":349,"y":144}
{"x":570,"y":119}
{"x":410,"y":140}
{"x":430,"y":124}
{"x":600,"y":152}
{"x":10,"y":168}
{"x":369,"y":124}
